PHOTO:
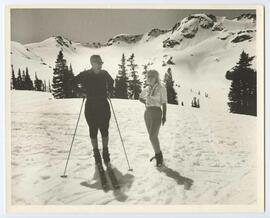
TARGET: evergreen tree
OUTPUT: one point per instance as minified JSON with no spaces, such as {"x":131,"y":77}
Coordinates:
{"x":44,"y":86}
{"x":169,"y":83}
{"x":49,"y":87}
{"x":58,"y":86}
{"x":23,"y":80}
{"x":19,"y":80}
{"x":38,"y":83}
{"x":194,"y":102}
{"x":121,"y":81}
{"x":198,"y":103}
{"x":134,"y":85}
{"x":243,"y":90}
{"x":13,"y":79}
{"x":28,"y":81}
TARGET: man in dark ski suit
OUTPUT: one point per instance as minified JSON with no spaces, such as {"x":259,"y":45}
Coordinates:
{"x":97,"y":85}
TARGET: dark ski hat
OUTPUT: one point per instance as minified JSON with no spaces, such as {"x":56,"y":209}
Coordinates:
{"x":96,"y":58}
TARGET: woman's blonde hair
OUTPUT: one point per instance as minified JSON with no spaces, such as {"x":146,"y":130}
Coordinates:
{"x":155,"y":74}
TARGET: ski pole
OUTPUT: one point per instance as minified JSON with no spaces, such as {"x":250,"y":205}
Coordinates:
{"x":64,"y":174}
{"x":129,"y":169}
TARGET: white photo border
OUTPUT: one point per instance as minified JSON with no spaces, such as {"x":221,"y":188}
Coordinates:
{"x":132,"y":209}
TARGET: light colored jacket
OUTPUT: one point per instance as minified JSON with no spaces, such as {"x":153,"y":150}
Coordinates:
{"x":154,"y":96}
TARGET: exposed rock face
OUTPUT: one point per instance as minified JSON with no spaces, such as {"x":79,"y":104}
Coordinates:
{"x":241,"y":38}
{"x":170,"y":43}
{"x":93,"y":45}
{"x":129,"y":39}
{"x":248,"y":16}
{"x":157,"y":32}
{"x":189,"y":26}
{"x":217,"y":27}
{"x":62,"y":41}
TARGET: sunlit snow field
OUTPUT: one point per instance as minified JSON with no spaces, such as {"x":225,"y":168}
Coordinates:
{"x":214,"y":148}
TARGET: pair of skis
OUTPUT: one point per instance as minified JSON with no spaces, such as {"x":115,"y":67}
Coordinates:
{"x":103,"y":178}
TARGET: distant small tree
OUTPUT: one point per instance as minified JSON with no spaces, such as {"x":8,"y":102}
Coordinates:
{"x":23,"y":81}
{"x":169,"y":83}
{"x":243,"y":90}
{"x":38,"y":83}
{"x":49,"y":87}
{"x":44,"y":86}
{"x":19,"y":80}
{"x":121,"y":81}
{"x":198,"y":103}
{"x":195,"y":102}
{"x":134,"y":84}
{"x":13,"y":84}
{"x":28,"y":83}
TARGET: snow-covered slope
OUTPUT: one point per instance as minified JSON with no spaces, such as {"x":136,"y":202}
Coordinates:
{"x":22,"y":57}
{"x":216,"y":150}
{"x":200,"y":47}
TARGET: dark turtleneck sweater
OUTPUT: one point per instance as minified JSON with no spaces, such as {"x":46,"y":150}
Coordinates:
{"x":95,"y":85}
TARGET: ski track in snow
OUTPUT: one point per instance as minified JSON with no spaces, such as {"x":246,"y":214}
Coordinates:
{"x":215,"y":149}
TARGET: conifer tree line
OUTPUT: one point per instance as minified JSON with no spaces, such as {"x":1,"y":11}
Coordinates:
{"x":23,"y":81}
{"x":129,"y":86}
{"x":243,"y":90}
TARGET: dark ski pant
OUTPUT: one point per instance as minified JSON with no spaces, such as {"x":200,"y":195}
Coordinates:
{"x":152,"y":117}
{"x":97,"y":113}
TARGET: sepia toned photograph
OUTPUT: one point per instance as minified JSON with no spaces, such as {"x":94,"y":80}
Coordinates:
{"x":147,"y":108}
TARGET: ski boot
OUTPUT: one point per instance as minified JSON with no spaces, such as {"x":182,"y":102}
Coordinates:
{"x":106,"y":160}
{"x":99,"y":166}
{"x":159,"y":159}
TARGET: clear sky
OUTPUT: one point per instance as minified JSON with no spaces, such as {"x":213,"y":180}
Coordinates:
{"x":96,"y":25}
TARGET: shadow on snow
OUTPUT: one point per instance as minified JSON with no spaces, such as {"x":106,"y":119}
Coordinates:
{"x":125,"y":182}
{"x":181,"y":180}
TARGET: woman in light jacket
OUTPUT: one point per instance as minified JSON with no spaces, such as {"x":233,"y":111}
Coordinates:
{"x":154,"y":96}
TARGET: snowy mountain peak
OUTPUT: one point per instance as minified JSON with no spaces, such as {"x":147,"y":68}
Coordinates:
{"x":194,"y":21}
{"x":54,"y":41}
{"x":245,"y":17}
{"x":192,"y":43}
{"x":188,"y":27}
{"x":63,"y":41}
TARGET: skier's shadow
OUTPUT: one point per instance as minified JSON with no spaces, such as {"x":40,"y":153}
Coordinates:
{"x":125,"y":182}
{"x":181,"y":180}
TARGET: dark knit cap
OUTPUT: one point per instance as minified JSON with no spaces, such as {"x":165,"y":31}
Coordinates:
{"x":95,"y":58}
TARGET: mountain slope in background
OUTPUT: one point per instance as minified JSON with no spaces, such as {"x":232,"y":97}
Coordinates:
{"x":202,"y":47}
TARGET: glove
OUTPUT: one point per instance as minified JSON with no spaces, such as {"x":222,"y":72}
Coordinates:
{"x":163,"y":120}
